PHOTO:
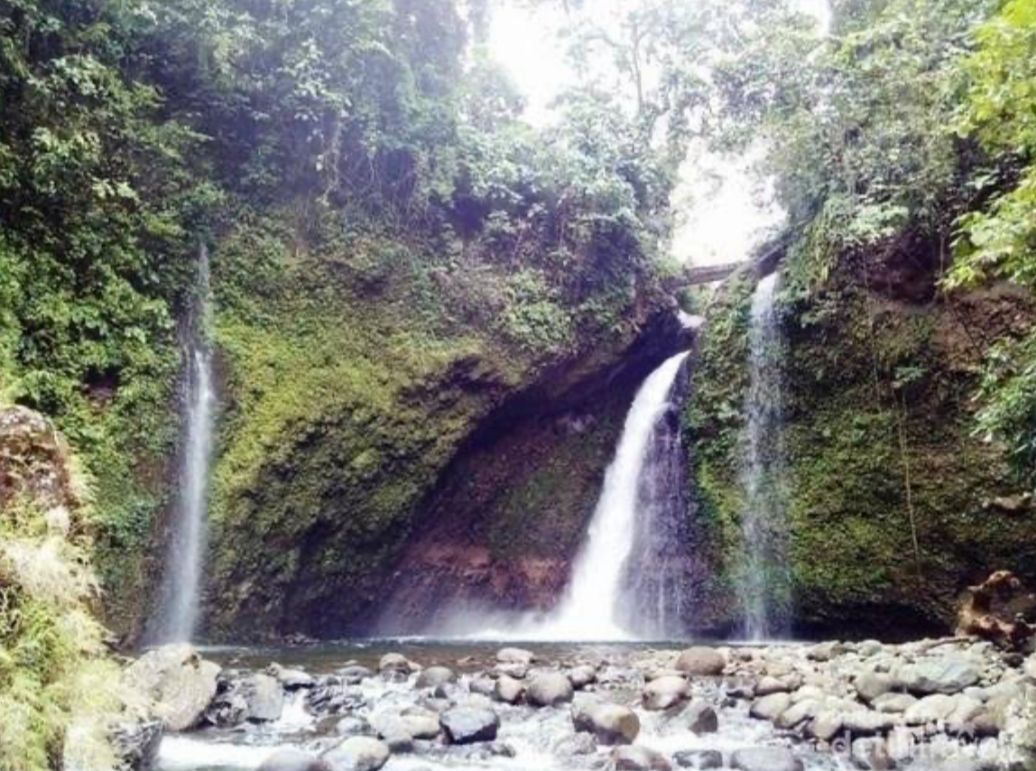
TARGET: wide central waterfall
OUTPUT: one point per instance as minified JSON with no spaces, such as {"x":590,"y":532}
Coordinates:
{"x":181,"y":583}
{"x":609,"y":597}
{"x":762,"y":580}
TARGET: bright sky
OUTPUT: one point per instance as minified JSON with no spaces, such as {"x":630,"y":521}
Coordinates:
{"x":721,"y":213}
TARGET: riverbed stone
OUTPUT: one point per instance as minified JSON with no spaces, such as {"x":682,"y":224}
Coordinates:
{"x":433,"y":677}
{"x":351,"y":725}
{"x":769,"y":707}
{"x":135,"y":742}
{"x":825,"y":726}
{"x":515,"y":656}
{"x":610,"y":723}
{"x":893,"y":702}
{"x":765,"y":759}
{"x":354,"y":674}
{"x":700,"y":718}
{"x":946,"y":674}
{"x":871,"y":754}
{"x":357,"y":753}
{"x":293,"y":760}
{"x":582,"y":676}
{"x":701,"y":759}
{"x":508,"y":690}
{"x":870,"y":684}
{"x":466,"y":725}
{"x":639,"y":759}
{"x":548,"y":689}
{"x":665,"y":692}
{"x":769,"y":684}
{"x":701,"y":661}
{"x":934,"y":708}
{"x":866,"y":722}
{"x":180,"y":683}
{"x":290,"y":679}
{"x":264,"y":696}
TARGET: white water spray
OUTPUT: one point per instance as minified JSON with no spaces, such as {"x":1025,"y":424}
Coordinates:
{"x":181,"y":585}
{"x":763,"y":575}
{"x":591,"y":608}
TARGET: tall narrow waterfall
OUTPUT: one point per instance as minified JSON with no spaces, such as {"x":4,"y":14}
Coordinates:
{"x":181,"y":584}
{"x":763,"y":583}
{"x":597,"y":603}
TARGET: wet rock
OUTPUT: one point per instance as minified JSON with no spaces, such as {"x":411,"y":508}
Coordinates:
{"x":769,"y":707}
{"x":946,"y":674}
{"x":264,"y":696}
{"x":575,"y":745}
{"x":482,"y":685}
{"x":965,"y":710}
{"x":421,"y":723}
{"x":290,"y":679}
{"x":701,"y":661}
{"x":179,"y":682}
{"x":609,"y":723}
{"x":768,"y":685}
{"x":548,"y":689}
{"x":701,"y":759}
{"x":357,"y":753}
{"x":894,"y":702}
{"x":799,"y":712}
{"x":396,"y":666}
{"x":825,"y":726}
{"x":136,"y":742}
{"x":866,"y":722}
{"x":355,"y":674}
{"x":871,"y":754}
{"x":765,"y":759}
{"x":514,"y":669}
{"x":399,"y":742}
{"x":582,"y":676}
{"x":228,"y":708}
{"x":700,"y":718}
{"x":639,"y":759}
{"x":508,"y":690}
{"x":871,"y":684}
{"x":515,"y":656}
{"x":930,"y":709}
{"x":464,"y":725}
{"x":825,"y":651}
{"x":353,"y":726}
{"x":665,"y":692}
{"x":293,"y":760}
{"x":433,"y":677}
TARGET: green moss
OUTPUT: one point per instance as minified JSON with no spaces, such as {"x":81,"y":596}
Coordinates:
{"x":878,"y":403}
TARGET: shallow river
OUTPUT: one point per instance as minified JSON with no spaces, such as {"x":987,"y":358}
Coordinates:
{"x":532,"y":734}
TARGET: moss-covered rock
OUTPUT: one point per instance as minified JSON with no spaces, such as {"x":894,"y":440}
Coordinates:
{"x":355,"y":367}
{"x":891,"y":507}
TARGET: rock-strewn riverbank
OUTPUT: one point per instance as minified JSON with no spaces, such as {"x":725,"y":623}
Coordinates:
{"x":951,"y":703}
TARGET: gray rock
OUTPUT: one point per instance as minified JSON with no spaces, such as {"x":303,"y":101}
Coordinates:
{"x":871,"y":684}
{"x":576,"y":744}
{"x":765,"y":759}
{"x":609,"y":723}
{"x":433,"y":677}
{"x":865,"y":722}
{"x":293,"y":760}
{"x":465,"y":725}
{"x":396,"y":666}
{"x":482,"y":685}
{"x":516,"y":670}
{"x":264,"y":696}
{"x":966,"y":710}
{"x":894,"y":702}
{"x":701,"y":759}
{"x":700,"y":718}
{"x":666,"y":692}
{"x":947,"y":674}
{"x":768,"y":685}
{"x":548,"y":689}
{"x":701,"y":661}
{"x":179,"y":682}
{"x":290,"y":679}
{"x":508,"y":690}
{"x":871,"y":754}
{"x":515,"y":656}
{"x":825,"y":726}
{"x":136,"y":742}
{"x":639,"y":759}
{"x":353,"y":726}
{"x":769,"y":707}
{"x":423,"y":725}
{"x":582,"y":676}
{"x":355,"y":674}
{"x":930,"y":709}
{"x":799,"y":712}
{"x":357,"y":753}
{"x":825,"y":651}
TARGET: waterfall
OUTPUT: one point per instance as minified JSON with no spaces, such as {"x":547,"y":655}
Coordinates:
{"x":763,"y":580}
{"x":181,"y":584}
{"x":600,"y":602}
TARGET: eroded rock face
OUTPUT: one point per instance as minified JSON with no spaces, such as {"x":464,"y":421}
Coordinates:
{"x":177,"y":680}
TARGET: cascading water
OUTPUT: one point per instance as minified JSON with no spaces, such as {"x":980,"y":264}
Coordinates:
{"x":762,"y":583}
{"x":181,"y":584}
{"x":596,"y":604}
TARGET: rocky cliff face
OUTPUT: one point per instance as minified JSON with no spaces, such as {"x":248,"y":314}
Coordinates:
{"x":880,"y":380}
{"x":382,"y":411}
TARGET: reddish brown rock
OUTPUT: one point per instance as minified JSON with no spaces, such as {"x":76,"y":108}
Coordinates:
{"x":1000,"y":609}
